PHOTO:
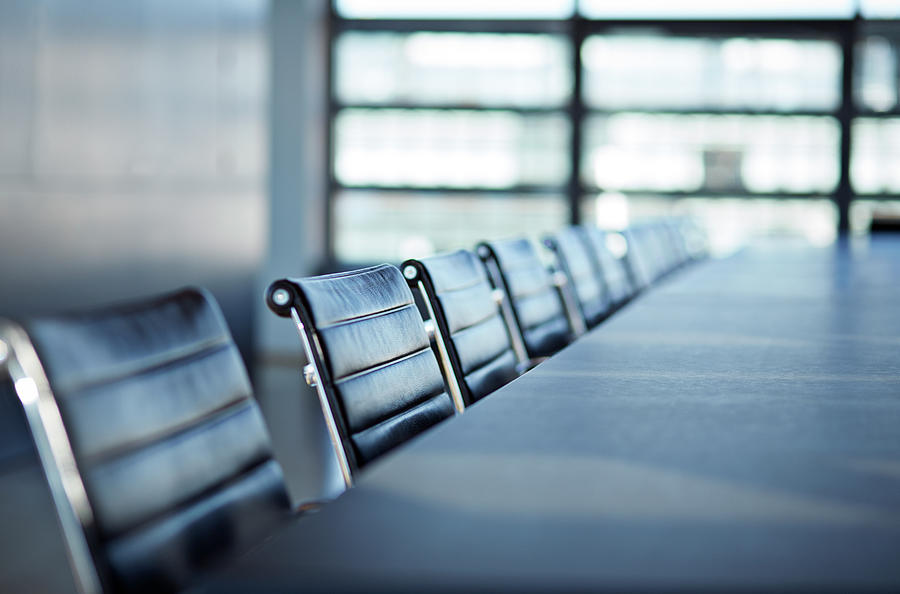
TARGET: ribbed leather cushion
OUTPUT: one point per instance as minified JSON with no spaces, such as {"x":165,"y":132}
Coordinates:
{"x":536,"y":303}
{"x":171,"y":446}
{"x":583,"y":273}
{"x":383,"y":377}
{"x":479,"y":347}
{"x":640,"y":257}
{"x":615,"y":274}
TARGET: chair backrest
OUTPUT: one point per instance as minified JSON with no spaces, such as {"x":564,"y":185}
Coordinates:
{"x":573,"y":257}
{"x":661,"y":252}
{"x":515,"y":267}
{"x":155,"y":450}
{"x":469,"y":325}
{"x":378,"y":380}
{"x":619,"y":285}
{"x":674,"y":233}
{"x":638,"y":258}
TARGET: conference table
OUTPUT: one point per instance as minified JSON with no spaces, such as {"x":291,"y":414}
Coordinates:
{"x":736,"y":426}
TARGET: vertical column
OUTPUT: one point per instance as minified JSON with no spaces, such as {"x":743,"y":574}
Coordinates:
{"x":843,"y":195}
{"x":296,"y":236}
{"x":576,"y":111}
{"x":296,"y":240}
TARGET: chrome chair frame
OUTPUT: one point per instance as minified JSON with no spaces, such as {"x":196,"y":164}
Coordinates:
{"x":281,"y":299}
{"x":20,"y":361}
{"x":411,"y":274}
{"x":559,"y":281}
{"x":509,"y":317}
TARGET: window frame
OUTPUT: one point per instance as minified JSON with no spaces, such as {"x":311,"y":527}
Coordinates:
{"x":577,"y":29}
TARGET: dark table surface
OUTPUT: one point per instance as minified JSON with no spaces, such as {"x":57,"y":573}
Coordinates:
{"x":736,"y":427}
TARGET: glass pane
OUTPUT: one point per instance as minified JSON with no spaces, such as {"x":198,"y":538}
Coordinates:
{"x":729,"y":222}
{"x":454,"y":149}
{"x":653,"y":72}
{"x":876,"y":152}
{"x":722,"y":154}
{"x":876,"y":73}
{"x":459,"y":9}
{"x":880,"y":9}
{"x":458,"y":68}
{"x":699,"y":9}
{"x":390,"y":227}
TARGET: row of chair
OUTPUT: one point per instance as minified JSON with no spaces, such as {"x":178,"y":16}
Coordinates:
{"x":157,"y":456}
{"x":384,"y":376}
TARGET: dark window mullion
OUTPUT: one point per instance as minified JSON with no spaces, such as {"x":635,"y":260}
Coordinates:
{"x":575,"y":193}
{"x":703,"y":193}
{"x":536,"y":26}
{"x":843,"y":194}
{"x":396,"y":105}
{"x":443,"y":190}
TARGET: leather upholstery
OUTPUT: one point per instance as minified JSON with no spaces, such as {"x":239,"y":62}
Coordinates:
{"x":583,"y":273}
{"x":465,"y":313}
{"x":169,"y":441}
{"x":535,"y":302}
{"x":674,"y":233}
{"x":615,"y":274}
{"x":376,"y":365}
{"x":645,"y":256}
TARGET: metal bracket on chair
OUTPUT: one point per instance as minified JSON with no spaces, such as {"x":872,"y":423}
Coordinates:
{"x":570,"y":306}
{"x":310,"y":376}
{"x":506,"y":310}
{"x":498,"y":296}
{"x":443,"y":354}
{"x":20,"y":361}
{"x":559,"y":278}
{"x":330,"y":422}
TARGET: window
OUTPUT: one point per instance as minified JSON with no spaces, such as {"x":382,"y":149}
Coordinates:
{"x":455,"y":121}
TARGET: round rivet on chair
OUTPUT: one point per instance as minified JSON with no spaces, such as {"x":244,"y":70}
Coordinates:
{"x":409,"y":272}
{"x":281,"y":297}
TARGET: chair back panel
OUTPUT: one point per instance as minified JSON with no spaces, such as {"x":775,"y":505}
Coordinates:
{"x":583,"y":272}
{"x":535,"y":301}
{"x":171,"y":446}
{"x":376,"y":365}
{"x":639,"y":257}
{"x":478,"y":342}
{"x":615,"y":274}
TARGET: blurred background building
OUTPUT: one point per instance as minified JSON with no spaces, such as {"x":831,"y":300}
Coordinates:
{"x":150,"y":144}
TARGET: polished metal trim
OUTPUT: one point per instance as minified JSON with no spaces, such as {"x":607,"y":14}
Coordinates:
{"x":330,"y":422}
{"x":54,"y":450}
{"x":515,"y":333}
{"x":446,"y":366}
{"x":558,"y":278}
{"x":498,"y":296}
{"x":570,"y":306}
{"x":281,"y":297}
{"x":310,"y":376}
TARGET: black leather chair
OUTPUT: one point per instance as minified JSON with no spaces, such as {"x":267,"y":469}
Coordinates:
{"x":674,"y":234}
{"x":616,"y":276}
{"x":574,"y":258}
{"x":637,"y":258}
{"x":515,"y":267}
{"x":378,"y":380}
{"x":155,"y":450}
{"x":473,"y":341}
